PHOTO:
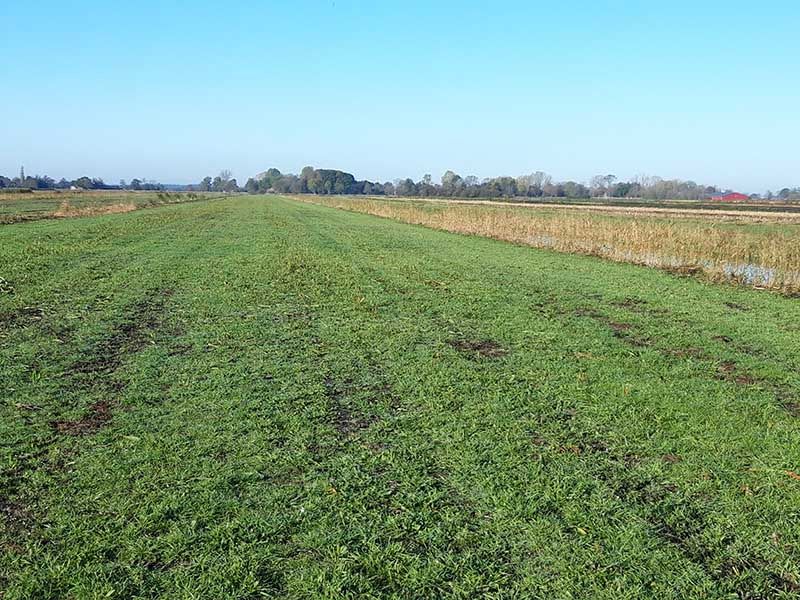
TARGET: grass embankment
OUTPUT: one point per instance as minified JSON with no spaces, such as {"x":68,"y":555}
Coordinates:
{"x":259,"y":397}
{"x":48,"y":204}
{"x":744,"y":249}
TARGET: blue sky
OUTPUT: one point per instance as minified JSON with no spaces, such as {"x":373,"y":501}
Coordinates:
{"x":174,"y":91}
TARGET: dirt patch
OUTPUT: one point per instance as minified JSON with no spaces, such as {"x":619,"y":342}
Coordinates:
{"x":180,"y":349}
{"x":727,"y":371}
{"x":736,"y":567}
{"x":97,"y":368}
{"x":127,"y":338}
{"x":727,"y":368}
{"x":15,"y":516}
{"x":737,"y":307}
{"x":346,"y":419}
{"x":785,"y":396}
{"x":640,"y":306}
{"x":348,"y":422}
{"x":18,"y":522}
{"x":484,"y":348}
{"x":619,"y":327}
{"x":623,"y":331}
{"x":793,"y":408}
{"x":630,"y":303}
{"x":98,"y":416}
{"x":22,"y":317}
{"x":587,"y":312}
{"x":671,"y":458}
{"x":437,"y":285}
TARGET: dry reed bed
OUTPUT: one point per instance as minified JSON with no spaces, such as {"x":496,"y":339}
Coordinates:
{"x":758,"y":258}
{"x":752,"y":215}
{"x":66,"y":210}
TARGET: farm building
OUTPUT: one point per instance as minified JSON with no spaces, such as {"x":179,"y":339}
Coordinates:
{"x":730,"y":197}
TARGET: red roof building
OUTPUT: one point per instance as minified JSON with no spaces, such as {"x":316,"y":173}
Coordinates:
{"x":730,"y":197}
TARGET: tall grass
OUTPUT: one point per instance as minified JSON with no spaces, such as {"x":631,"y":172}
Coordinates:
{"x":66,"y":210}
{"x":761,"y":256}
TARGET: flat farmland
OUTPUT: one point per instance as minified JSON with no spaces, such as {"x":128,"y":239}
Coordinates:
{"x":52,"y":204}
{"x":261,"y":397}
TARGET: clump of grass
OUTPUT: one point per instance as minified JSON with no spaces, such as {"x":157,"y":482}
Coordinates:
{"x":756,"y":255}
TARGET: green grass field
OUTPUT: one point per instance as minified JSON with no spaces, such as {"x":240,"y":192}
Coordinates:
{"x":262,"y":398}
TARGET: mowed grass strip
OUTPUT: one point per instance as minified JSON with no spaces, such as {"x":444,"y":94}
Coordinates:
{"x":263,"y":398}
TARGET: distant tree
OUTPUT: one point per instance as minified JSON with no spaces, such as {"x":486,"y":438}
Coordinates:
{"x":406,"y":187}
{"x":251,"y":187}
{"x":572,"y":189}
{"x":597,"y":185}
{"x":136,"y":184}
{"x":452,"y":183}
{"x":84,"y":182}
{"x":230,"y":186}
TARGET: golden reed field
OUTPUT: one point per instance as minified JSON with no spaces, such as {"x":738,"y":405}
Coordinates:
{"x":754,"y":248}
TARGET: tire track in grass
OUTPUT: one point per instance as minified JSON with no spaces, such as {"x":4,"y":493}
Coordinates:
{"x":678,"y":520}
{"x":95,"y":373}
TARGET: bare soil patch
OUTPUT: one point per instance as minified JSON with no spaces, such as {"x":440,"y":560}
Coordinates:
{"x":98,"y":416}
{"x":484,"y":348}
{"x":737,"y":307}
{"x":346,"y":419}
{"x":21,"y":317}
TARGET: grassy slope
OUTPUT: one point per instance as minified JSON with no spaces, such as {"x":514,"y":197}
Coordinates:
{"x":262,"y":397}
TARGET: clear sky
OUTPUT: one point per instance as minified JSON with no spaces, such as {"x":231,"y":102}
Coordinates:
{"x":173,"y":91}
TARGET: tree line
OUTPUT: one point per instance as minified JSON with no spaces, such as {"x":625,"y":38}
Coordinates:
{"x":451,"y":185}
{"x":535,"y":185}
{"x":43,"y":182}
